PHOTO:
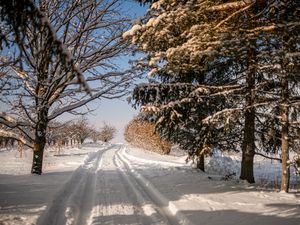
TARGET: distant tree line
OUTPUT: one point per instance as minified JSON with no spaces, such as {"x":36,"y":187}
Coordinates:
{"x":70,"y":133}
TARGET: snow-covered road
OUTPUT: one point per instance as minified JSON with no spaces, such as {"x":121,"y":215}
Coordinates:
{"x":118,"y":184}
{"x":106,"y":189}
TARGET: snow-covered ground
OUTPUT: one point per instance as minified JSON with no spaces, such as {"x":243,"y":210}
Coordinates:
{"x":119,"y":184}
{"x":267,"y":172}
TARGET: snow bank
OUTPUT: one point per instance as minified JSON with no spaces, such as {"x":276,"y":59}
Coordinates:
{"x":267,"y":173}
{"x":24,"y":196}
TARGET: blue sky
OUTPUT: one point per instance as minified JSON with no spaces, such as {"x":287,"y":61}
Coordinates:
{"x":116,"y":112}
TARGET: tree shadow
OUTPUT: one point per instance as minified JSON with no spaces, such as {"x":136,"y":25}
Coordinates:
{"x":230,"y":217}
{"x":28,"y":193}
{"x":191,"y":177}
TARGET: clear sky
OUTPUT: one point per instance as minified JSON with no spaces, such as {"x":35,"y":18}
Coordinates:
{"x":116,"y":112}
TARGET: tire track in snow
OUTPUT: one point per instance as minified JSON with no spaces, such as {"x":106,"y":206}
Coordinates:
{"x":166,"y":208}
{"x":107,"y":190}
{"x":154,"y":213}
{"x":74,"y":202}
{"x":117,"y":201}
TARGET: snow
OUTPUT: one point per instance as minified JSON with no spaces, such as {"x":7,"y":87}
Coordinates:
{"x":120,"y":184}
{"x":267,"y":172}
{"x":6,"y":133}
{"x":155,"y":5}
{"x":152,"y":72}
{"x":132,"y":31}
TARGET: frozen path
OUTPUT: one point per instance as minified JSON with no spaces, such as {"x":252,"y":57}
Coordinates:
{"x":118,"y":185}
{"x":107,"y":190}
{"x":73,"y":203}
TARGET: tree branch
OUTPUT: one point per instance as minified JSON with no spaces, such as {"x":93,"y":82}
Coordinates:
{"x":268,"y":157}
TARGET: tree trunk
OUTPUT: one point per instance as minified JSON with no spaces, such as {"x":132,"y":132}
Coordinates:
{"x":39,"y":142}
{"x":6,"y":142}
{"x":248,"y":145}
{"x":20,"y":149}
{"x":38,"y":154}
{"x":200,"y":163}
{"x":285,"y":173}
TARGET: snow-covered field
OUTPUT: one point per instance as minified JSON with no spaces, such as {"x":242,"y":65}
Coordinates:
{"x":119,"y":184}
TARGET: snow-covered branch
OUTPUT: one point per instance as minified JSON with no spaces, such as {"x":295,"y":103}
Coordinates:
{"x":231,"y":5}
{"x":233,"y":15}
{"x":16,"y":136}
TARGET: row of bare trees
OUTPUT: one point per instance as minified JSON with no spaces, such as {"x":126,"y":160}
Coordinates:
{"x":69,"y":133}
{"x":77,"y":132}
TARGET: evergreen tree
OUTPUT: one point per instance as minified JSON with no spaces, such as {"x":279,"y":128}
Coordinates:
{"x":187,"y":63}
{"x":211,"y":58}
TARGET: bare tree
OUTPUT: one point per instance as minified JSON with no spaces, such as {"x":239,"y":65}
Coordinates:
{"x":15,"y":19}
{"x":107,"y":133}
{"x":81,"y":129}
{"x":142,"y":134}
{"x":95,"y":135}
{"x":58,"y":132}
{"x":42,"y":90}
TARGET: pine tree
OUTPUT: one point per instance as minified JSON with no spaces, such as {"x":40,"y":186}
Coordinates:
{"x":212,"y":59}
{"x":186,"y":60}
